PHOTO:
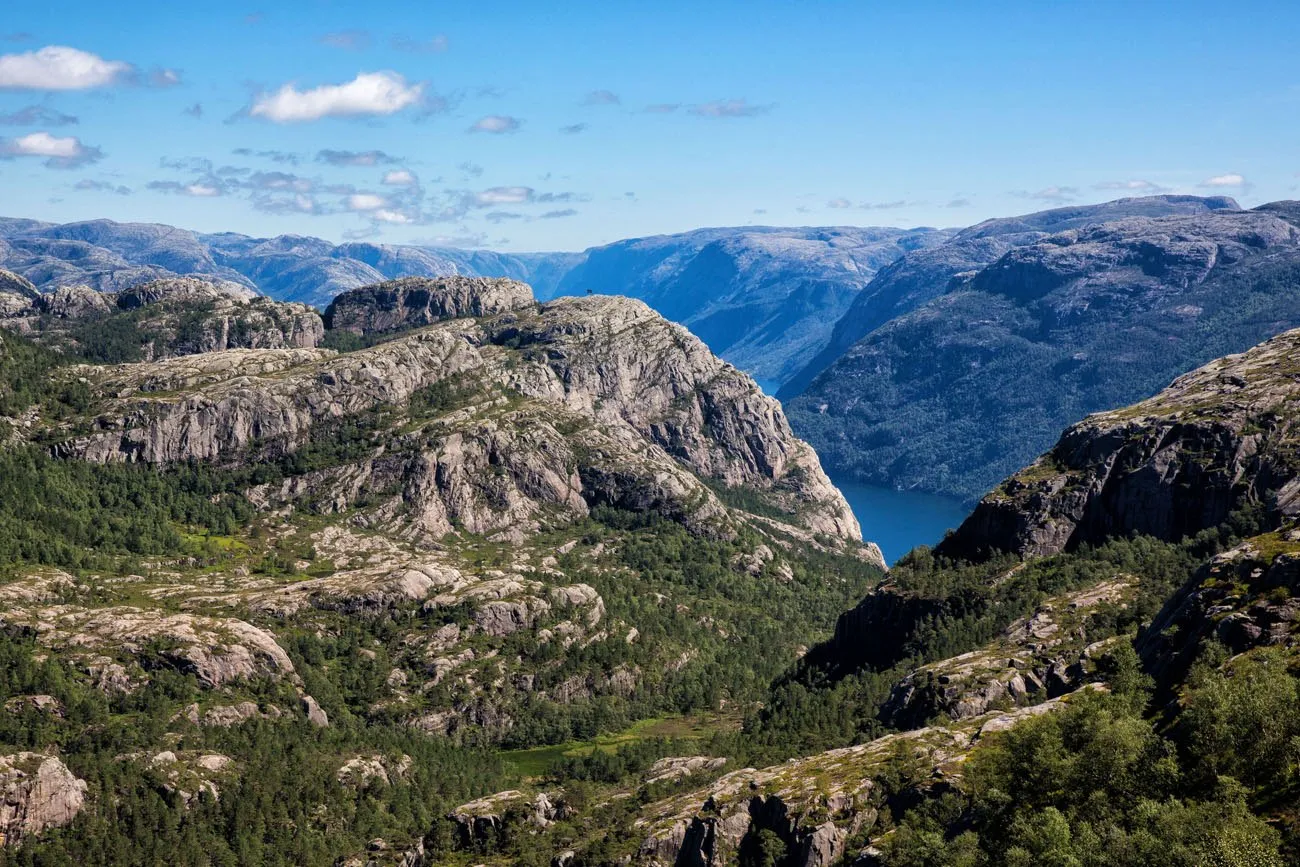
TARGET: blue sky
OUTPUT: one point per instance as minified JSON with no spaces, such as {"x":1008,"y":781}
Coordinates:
{"x":518,"y":127}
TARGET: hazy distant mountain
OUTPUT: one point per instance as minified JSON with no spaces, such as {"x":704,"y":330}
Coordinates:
{"x":111,"y":256}
{"x":921,"y":275}
{"x":953,"y":395}
{"x":763,"y":298}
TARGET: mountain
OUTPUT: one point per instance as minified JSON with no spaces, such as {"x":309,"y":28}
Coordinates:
{"x":336,"y":586}
{"x":763,"y":298}
{"x":922,"y":275}
{"x":1117,"y":693}
{"x":110,"y":256}
{"x":958,"y":392}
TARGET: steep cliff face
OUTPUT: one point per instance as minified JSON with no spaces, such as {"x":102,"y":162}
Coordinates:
{"x":161,"y":319}
{"x":413,"y":302}
{"x":13,"y":284}
{"x":1218,"y":438}
{"x":965,"y":389}
{"x":642,"y":402}
{"x":37,"y":792}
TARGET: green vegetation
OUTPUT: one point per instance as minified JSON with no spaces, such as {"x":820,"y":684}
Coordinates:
{"x":1100,"y":784}
{"x":981,"y":382}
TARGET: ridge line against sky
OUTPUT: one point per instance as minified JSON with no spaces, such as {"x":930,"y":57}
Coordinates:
{"x":518,"y":128}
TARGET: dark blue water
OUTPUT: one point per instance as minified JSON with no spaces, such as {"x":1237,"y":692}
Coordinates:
{"x":898,"y":521}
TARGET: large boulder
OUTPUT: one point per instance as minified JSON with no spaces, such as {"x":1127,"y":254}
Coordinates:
{"x":36,"y":792}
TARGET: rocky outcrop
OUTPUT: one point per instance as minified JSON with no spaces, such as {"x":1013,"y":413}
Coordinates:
{"x":37,"y":792}
{"x":1217,"y":439}
{"x":623,"y":409}
{"x":1245,"y":598}
{"x":483,"y":820}
{"x":814,"y":804}
{"x":13,"y":284}
{"x":414,"y":302}
{"x":163,"y":318}
{"x":1048,"y":654}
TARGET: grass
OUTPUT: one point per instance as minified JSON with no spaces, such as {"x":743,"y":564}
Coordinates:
{"x":534,"y":761}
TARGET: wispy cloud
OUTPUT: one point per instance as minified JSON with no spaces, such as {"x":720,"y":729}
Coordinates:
{"x":204,"y":188}
{"x":163,"y":78}
{"x":958,"y":203}
{"x":348,"y":40}
{"x":274,"y":156}
{"x":662,"y":108}
{"x":87,"y":184}
{"x":497,"y":124}
{"x":58,"y":152}
{"x":195,"y":111}
{"x":730,"y":108}
{"x":1140,"y":187}
{"x":471,"y":169}
{"x":1055,"y":195}
{"x":601,"y":97}
{"x":354,"y":158}
{"x":37,"y":115}
{"x":839,"y":203}
{"x":559,"y":215}
{"x":370,"y":93}
{"x":59,"y":67}
{"x":436,"y":45}
{"x":573,"y":129}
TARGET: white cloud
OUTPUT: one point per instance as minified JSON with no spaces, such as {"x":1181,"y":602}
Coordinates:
{"x":353,"y":158}
{"x":601,"y":97}
{"x":350,"y":40}
{"x":58,"y":67}
{"x":496,"y":124}
{"x":64,"y":152}
{"x":164,"y":78}
{"x":387,"y":215}
{"x":503,"y":196}
{"x":399,"y":178}
{"x":202,"y":189}
{"x":370,"y":93}
{"x":839,"y":203}
{"x":365,"y":202}
{"x":1232,"y":179}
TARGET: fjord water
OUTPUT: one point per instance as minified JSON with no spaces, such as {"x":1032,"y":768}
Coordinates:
{"x":898,"y":521}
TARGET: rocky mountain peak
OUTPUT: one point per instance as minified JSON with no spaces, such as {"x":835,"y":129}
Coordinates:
{"x":14,"y":284}
{"x":413,"y":302}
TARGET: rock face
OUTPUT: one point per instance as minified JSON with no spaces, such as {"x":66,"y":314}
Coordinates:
{"x":1244,"y":598}
{"x":963,"y":390}
{"x":13,"y":284}
{"x":621,"y":408}
{"x":414,"y":302}
{"x":814,"y":805}
{"x":37,"y":792}
{"x":1218,"y":438}
{"x":162,"y":319}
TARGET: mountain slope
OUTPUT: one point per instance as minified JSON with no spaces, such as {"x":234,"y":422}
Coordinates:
{"x":761,"y":297}
{"x":959,"y":392}
{"x":924,"y":274}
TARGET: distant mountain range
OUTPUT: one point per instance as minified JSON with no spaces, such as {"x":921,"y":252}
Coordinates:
{"x":939,"y":360}
{"x":763,"y":298}
{"x":963,"y":361}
